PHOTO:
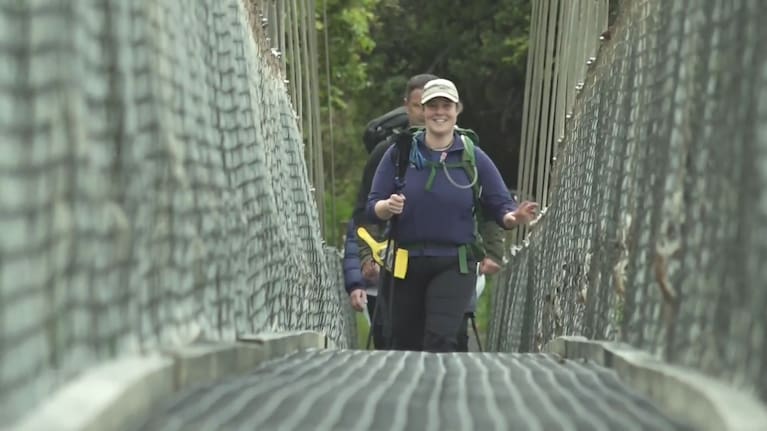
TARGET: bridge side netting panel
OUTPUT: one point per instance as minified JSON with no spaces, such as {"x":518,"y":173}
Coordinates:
{"x":656,"y":232}
{"x":153,"y":190}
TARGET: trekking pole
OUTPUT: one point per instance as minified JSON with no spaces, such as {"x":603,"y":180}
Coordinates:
{"x":381,"y":306}
{"x":390,"y":248}
{"x":381,"y":254}
{"x":476,"y":332}
{"x":372,"y":323}
{"x":374,"y":317}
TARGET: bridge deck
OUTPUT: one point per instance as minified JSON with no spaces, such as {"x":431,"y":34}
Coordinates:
{"x":381,"y":390}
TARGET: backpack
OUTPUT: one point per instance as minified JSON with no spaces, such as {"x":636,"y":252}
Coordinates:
{"x":384,"y":126}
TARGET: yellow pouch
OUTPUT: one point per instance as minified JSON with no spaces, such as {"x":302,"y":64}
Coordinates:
{"x":379,"y":251}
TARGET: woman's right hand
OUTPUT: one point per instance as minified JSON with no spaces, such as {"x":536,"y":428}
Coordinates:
{"x":395,"y":204}
{"x":386,"y":208}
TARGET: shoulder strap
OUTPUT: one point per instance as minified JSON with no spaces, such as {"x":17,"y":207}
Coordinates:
{"x":469,"y":133}
{"x":469,"y":159}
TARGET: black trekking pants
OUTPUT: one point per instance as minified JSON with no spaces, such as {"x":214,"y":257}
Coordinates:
{"x":428,"y":306}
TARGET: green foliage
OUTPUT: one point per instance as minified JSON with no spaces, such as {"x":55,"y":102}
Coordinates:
{"x":363,"y":328}
{"x":481,"y":45}
{"x":348,"y":35}
{"x":348,"y":41}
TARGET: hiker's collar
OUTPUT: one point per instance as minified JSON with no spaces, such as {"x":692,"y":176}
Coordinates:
{"x":457,"y":142}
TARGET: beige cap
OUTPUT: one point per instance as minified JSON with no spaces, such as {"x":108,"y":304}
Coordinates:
{"x":439,"y":88}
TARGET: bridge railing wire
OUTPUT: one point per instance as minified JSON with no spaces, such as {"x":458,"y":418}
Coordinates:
{"x":153,"y":187}
{"x":651,"y":163}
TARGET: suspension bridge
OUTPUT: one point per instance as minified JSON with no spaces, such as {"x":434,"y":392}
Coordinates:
{"x":161,"y":254}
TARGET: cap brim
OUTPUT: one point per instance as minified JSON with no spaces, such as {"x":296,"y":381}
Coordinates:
{"x":446,"y":95}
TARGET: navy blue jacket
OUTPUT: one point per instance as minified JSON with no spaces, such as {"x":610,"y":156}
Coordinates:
{"x":353,"y":278}
{"x":444,"y":213}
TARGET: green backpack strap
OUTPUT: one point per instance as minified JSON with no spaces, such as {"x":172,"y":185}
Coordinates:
{"x":417,"y":131}
{"x":489,"y":237}
{"x":469,"y":162}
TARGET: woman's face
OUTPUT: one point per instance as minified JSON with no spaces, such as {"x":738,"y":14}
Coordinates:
{"x":440,"y":115}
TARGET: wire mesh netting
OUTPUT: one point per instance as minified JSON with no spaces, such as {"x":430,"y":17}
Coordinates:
{"x":656,"y":228}
{"x":153,"y":190}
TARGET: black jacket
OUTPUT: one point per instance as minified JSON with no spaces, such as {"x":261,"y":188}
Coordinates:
{"x":367,"y":180}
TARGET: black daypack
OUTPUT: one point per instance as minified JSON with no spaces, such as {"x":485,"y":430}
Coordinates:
{"x":382,"y":127}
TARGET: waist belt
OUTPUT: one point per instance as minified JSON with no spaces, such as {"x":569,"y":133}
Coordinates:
{"x":463,"y":251}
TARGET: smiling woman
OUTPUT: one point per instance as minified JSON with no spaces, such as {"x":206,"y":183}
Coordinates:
{"x":435,"y":208}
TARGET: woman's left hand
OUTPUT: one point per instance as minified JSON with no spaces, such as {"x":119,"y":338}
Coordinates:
{"x":524,"y":214}
{"x":488,"y":266}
